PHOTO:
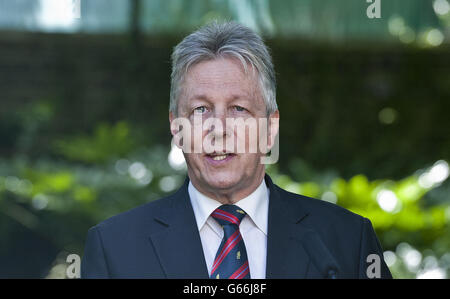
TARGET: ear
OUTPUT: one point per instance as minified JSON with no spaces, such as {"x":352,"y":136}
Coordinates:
{"x":274,"y":127}
{"x":173,"y":130}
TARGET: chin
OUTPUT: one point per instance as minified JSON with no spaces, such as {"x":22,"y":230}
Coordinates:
{"x":225,"y":181}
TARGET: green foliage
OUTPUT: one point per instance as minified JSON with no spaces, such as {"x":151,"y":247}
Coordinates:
{"x":107,"y":142}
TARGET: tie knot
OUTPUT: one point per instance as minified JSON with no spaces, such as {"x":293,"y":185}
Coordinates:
{"x":228,"y":214}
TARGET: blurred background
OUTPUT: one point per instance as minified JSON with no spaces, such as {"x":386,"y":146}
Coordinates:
{"x":84,"y":131}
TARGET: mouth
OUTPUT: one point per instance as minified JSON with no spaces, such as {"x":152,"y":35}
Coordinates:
{"x":218,"y":158}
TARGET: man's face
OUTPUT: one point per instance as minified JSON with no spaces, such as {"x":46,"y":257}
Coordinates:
{"x":221,"y":89}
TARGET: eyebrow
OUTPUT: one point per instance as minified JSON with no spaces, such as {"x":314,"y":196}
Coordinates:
{"x":233,"y":98}
{"x":199,"y":97}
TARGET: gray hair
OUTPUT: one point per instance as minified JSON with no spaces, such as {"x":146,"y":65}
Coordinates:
{"x":218,"y":40}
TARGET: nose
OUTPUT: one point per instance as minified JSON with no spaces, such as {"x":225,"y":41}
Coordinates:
{"x":219,"y":123}
{"x":217,"y":129}
{"x":221,"y":116}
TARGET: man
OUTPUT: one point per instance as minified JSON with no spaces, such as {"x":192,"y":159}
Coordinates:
{"x":229,"y":220}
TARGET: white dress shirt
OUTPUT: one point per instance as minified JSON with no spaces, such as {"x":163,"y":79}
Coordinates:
{"x":253,"y":227}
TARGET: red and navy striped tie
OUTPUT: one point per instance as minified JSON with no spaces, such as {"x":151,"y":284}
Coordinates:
{"x":231,"y":259}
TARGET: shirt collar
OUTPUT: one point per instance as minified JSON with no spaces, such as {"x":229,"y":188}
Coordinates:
{"x":256,"y":205}
{"x":203,"y":206}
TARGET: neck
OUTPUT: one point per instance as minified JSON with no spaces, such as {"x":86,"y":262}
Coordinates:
{"x":230,"y":195}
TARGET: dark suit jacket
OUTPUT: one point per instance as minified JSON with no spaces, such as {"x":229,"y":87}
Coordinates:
{"x":161,"y":240}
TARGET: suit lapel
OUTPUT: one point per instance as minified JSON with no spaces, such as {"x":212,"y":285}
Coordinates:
{"x":286,"y":257}
{"x":177,"y":244}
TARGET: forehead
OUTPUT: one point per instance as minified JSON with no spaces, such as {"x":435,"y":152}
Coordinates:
{"x":222,"y":78}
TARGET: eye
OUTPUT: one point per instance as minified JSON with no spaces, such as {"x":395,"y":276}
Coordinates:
{"x":239,"y":109}
{"x":200,"y":110}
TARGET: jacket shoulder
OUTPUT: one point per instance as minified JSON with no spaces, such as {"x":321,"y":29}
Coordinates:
{"x":320,"y":210}
{"x":137,"y":216}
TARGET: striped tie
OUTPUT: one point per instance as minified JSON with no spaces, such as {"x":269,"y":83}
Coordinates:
{"x":231,"y":259}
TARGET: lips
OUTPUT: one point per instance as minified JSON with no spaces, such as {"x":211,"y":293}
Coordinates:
{"x":220,"y":157}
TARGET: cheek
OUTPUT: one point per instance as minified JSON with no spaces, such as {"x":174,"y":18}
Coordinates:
{"x":246,"y":139}
{"x":193,"y":160}
{"x":247,"y":163}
